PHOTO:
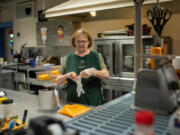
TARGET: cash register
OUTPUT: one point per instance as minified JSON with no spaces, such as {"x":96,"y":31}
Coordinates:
{"x":157,"y":89}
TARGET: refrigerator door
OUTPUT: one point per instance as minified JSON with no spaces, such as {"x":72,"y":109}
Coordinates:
{"x":106,"y":48}
{"x":126,"y":58}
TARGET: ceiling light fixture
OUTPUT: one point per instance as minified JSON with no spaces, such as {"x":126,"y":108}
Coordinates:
{"x":93,"y":13}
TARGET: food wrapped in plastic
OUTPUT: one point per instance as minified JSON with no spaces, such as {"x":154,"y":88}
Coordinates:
{"x":74,"y":110}
{"x":51,"y":75}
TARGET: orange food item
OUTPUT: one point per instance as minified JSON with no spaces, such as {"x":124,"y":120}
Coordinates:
{"x":53,"y":80}
{"x":74,"y":110}
{"x":55,"y":72}
{"x":43,"y":77}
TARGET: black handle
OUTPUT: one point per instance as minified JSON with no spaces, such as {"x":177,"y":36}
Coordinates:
{"x":113,"y":58}
{"x":24,"y":116}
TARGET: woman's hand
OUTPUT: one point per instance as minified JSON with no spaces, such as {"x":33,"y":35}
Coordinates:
{"x":88,"y":72}
{"x":61,"y":78}
{"x":72,"y":75}
{"x":102,"y":74}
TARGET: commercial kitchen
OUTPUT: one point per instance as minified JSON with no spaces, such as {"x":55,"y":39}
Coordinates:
{"x":139,"y":43}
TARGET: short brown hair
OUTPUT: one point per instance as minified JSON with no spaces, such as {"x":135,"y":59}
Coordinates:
{"x":81,"y":31}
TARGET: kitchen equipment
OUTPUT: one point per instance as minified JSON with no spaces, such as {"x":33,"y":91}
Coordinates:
{"x":39,"y":59}
{"x":27,"y":60}
{"x":157,"y":89}
{"x":115,"y":118}
{"x":115,"y":51}
{"x":159,"y":17}
{"x":174,"y":123}
{"x":114,"y":87}
{"x":118,"y":53}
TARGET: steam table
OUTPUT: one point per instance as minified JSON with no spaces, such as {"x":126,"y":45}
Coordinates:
{"x":114,"y":118}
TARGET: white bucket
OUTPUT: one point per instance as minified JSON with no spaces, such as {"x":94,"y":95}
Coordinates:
{"x":47,"y":100}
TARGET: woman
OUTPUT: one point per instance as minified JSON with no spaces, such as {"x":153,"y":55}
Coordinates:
{"x":85,"y":63}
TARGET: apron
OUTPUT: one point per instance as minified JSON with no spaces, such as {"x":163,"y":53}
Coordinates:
{"x":91,"y":86}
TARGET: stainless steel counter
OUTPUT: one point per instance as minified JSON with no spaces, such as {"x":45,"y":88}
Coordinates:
{"x":19,"y":66}
{"x":22,"y":75}
{"x":46,"y":84}
{"x":115,"y":87}
{"x":30,"y":102}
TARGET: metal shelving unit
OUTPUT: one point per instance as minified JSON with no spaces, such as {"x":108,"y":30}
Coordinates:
{"x":34,"y":81}
{"x":7,"y":68}
{"x":46,"y":84}
{"x":114,"y":118}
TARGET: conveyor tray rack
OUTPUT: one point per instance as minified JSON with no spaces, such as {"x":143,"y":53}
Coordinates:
{"x":114,"y":118}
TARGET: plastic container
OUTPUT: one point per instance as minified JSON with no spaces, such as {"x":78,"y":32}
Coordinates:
{"x":32,"y":63}
{"x":144,"y":123}
{"x":50,"y":73}
{"x":174,"y":123}
{"x":155,"y":51}
{"x":8,"y":109}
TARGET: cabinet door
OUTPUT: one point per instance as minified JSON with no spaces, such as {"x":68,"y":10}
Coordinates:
{"x":106,"y":48}
{"x":127,"y":57}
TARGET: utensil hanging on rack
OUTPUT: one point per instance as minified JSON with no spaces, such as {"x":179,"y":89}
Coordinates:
{"x":159,"y":17}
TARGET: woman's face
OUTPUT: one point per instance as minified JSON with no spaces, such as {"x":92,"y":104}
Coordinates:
{"x":82,"y":43}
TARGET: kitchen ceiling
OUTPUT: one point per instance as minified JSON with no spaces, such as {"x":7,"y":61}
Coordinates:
{"x":72,"y":7}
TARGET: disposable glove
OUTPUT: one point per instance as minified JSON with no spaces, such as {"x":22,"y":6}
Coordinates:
{"x":79,"y":87}
{"x":88,"y":72}
{"x":72,"y":75}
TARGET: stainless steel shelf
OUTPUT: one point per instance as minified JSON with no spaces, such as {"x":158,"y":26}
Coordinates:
{"x":46,"y":84}
{"x":6,"y":71}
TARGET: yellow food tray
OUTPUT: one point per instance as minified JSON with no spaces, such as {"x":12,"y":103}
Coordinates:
{"x":20,"y":126}
{"x":2,"y":99}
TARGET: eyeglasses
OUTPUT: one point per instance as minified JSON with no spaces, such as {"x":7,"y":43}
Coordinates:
{"x":81,"y":41}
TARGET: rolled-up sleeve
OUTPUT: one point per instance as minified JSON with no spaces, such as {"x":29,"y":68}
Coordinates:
{"x":101,"y":60}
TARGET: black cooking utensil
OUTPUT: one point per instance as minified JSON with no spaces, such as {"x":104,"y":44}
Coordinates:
{"x":159,"y":17}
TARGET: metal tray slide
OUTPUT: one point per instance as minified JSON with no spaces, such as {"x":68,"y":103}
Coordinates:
{"x":114,"y":118}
